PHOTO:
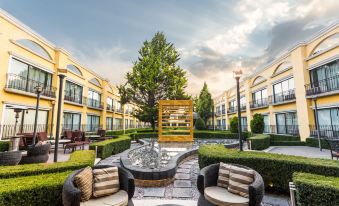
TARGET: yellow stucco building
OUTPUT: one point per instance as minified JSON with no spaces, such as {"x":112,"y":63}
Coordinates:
{"x":285,"y":90}
{"x":89,"y":101}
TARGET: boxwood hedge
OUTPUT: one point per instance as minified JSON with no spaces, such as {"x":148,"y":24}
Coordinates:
{"x":313,"y":142}
{"x":259,"y":142}
{"x":4,"y":146}
{"x":317,"y":190}
{"x":43,"y":189}
{"x":78,"y":159}
{"x":111,"y":146}
{"x":276,"y":169}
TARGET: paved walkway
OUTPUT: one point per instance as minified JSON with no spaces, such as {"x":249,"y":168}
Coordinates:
{"x":183,"y":191}
{"x":304,"y":151}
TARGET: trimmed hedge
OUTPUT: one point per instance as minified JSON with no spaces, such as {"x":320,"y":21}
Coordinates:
{"x":316,"y":190}
{"x":127,"y":131}
{"x":276,"y":169}
{"x":4,"y":146}
{"x":78,"y":159}
{"x":313,"y":142}
{"x":111,"y":146}
{"x":285,"y":140}
{"x":259,"y":142}
{"x":288,"y":143}
{"x":43,"y":189}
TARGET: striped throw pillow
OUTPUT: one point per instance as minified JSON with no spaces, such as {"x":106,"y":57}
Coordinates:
{"x":224,"y":174}
{"x":106,"y":181}
{"x":84,"y":182}
{"x":240,"y":179}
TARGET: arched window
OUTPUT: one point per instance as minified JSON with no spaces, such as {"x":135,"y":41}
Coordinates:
{"x":109,"y":89}
{"x":95,"y":82}
{"x":74,"y":69}
{"x":328,"y":43}
{"x":282,"y":67}
{"x":35,"y":47}
{"x":258,"y":80}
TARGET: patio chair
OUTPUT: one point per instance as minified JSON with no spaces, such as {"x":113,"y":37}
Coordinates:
{"x":208,"y":179}
{"x":71,"y":194}
{"x":37,"y":154}
{"x":102,"y":132}
{"x":334,"y":146}
{"x":42,"y":136}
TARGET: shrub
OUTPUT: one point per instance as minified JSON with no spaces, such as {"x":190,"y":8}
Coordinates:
{"x":78,"y":159}
{"x":288,"y":143}
{"x":44,"y":189}
{"x":313,"y":142}
{"x":234,"y":125}
{"x":137,"y":136}
{"x":257,"y":124}
{"x":282,"y":138}
{"x":316,"y":190}
{"x":4,"y":146}
{"x":276,"y":169}
{"x":259,"y":142}
{"x":200,"y":124}
{"x":111,"y":146}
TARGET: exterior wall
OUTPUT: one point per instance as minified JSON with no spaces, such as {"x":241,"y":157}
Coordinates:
{"x":12,"y":30}
{"x":301,"y":60}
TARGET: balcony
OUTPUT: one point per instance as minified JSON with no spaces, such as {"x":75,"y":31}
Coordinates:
{"x":218,"y":113}
{"x":119,"y":110}
{"x":322,"y":86}
{"x":231,"y":110}
{"x":73,"y":99}
{"x":282,"y":129}
{"x":109,"y":108}
{"x":260,"y":103}
{"x":9,"y":130}
{"x":93,"y":103}
{"x":283,"y":97}
{"x":19,"y":83}
{"x":325,"y":131}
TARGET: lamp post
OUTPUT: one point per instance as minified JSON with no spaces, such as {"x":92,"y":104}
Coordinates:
{"x":57,"y":133}
{"x":38,"y":89}
{"x":317,"y":122}
{"x":51,"y":132}
{"x":237,"y":74}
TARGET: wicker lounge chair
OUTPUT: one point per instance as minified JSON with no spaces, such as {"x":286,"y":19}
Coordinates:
{"x":334,"y":146}
{"x":71,"y":194}
{"x":10,"y":158}
{"x":36,"y":154}
{"x":208,"y":179}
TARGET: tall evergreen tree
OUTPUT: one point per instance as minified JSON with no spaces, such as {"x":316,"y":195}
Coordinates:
{"x":205,"y":104}
{"x":155,"y":76}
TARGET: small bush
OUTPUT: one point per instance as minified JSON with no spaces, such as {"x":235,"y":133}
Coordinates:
{"x":200,"y":124}
{"x":4,"y":146}
{"x":43,"y":189}
{"x":276,"y":169}
{"x":234,"y":125}
{"x":78,"y":159}
{"x":316,"y":190}
{"x":259,"y":142}
{"x":313,"y":142}
{"x":282,"y":138}
{"x":112,"y":146}
{"x":257,"y":124}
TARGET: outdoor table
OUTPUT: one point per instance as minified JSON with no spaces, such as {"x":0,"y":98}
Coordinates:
{"x":61,"y":141}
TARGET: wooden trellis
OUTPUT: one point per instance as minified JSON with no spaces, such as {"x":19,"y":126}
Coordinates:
{"x":175,"y":123}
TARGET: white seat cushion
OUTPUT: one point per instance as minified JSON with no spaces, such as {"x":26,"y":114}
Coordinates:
{"x":222,"y":197}
{"x":117,"y":199}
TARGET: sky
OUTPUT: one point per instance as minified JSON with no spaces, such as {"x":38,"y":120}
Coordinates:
{"x":212,"y":36}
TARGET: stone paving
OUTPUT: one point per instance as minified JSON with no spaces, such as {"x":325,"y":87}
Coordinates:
{"x":304,"y":151}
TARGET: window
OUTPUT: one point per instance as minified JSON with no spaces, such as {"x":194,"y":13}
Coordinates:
{"x":329,"y":121}
{"x":93,"y":123}
{"x":118,"y":123}
{"x":217,"y":110}
{"x":242,"y":102}
{"x":223,"y":123}
{"x":267,"y":128}
{"x":126,"y":124}
{"x":72,"y":121}
{"x":110,"y":103}
{"x":73,"y":92}
{"x":26,"y":77}
{"x":74,"y":69}
{"x":233,"y":104}
{"x":223,"y":108}
{"x":258,"y":80}
{"x":287,"y":123}
{"x":244,"y":123}
{"x":131,"y":123}
{"x":283,"y":67}
{"x":219,"y":123}
{"x":34,"y":47}
{"x":95,"y":82}
{"x":326,"y":77}
{"x":284,"y":91}
{"x":109,"y":123}
{"x":259,"y":98}
{"x":328,"y":43}
{"x":118,"y":107}
{"x":94,"y":99}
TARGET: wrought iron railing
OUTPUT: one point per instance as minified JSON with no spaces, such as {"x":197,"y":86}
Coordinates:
{"x":283,"y":129}
{"x":27,"y":85}
{"x":259,"y":103}
{"x":94,"y":103}
{"x":324,"y":130}
{"x":109,"y":108}
{"x":9,"y":130}
{"x":322,"y":86}
{"x":73,"y":98}
{"x":283,"y":96}
{"x":119,"y":110}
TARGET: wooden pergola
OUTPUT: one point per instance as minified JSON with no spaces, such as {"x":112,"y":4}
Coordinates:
{"x":175,"y":123}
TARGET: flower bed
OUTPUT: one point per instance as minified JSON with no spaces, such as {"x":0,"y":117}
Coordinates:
{"x":276,"y":169}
